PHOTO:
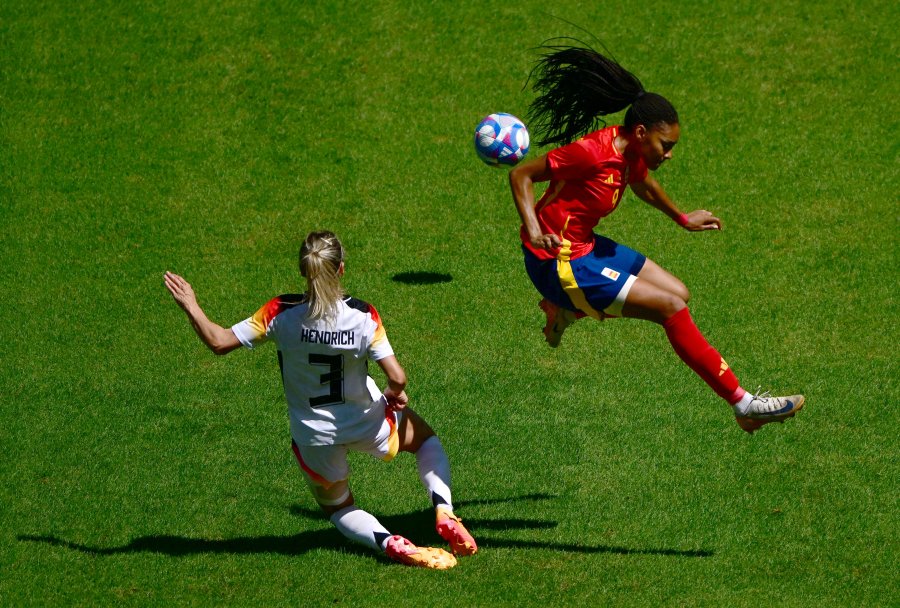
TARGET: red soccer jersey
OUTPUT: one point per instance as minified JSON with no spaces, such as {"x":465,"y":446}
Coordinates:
{"x":588,"y":179}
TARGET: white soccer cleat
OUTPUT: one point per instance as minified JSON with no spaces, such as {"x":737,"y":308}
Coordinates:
{"x":764,"y":409}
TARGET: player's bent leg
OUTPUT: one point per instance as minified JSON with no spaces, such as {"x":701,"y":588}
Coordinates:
{"x":434,"y":472}
{"x":413,"y":431}
{"x":355,"y":524}
{"x":648,"y":301}
{"x":325,"y":471}
{"x":655,"y":274}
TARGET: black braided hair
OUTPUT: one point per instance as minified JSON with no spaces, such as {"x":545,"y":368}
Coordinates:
{"x":577,"y":86}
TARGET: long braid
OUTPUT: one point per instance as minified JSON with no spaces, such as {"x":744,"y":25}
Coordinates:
{"x":577,"y":86}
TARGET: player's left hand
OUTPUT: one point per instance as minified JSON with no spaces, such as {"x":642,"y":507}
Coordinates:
{"x":395,"y":401}
{"x":701,"y":219}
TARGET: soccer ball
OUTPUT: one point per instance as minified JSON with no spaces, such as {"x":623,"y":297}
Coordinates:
{"x":501,"y":139}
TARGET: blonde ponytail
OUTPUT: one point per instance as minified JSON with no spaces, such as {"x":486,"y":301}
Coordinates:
{"x":320,"y":262}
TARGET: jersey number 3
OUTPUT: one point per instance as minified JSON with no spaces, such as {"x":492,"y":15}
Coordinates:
{"x":333,"y":379}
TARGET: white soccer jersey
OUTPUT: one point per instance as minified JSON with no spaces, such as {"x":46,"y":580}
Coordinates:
{"x":331,"y":398}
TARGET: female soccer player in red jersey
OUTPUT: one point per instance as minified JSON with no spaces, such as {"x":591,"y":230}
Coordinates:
{"x":580,"y":273}
{"x":325,"y":340}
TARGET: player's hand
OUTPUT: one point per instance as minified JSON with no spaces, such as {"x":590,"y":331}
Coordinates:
{"x":701,"y":219}
{"x":395,"y":401}
{"x":546,"y":241}
{"x":181,"y":290}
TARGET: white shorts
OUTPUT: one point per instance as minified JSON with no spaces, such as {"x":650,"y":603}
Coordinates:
{"x":326,"y":465}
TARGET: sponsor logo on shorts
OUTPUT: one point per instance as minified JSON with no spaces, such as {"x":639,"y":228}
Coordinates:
{"x":609,"y":273}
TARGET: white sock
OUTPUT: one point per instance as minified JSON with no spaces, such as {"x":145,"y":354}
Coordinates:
{"x":434,"y":471}
{"x":743,"y":405}
{"x":361,"y":526}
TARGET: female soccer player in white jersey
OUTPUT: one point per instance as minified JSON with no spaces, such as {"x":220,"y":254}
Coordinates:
{"x":324,"y":340}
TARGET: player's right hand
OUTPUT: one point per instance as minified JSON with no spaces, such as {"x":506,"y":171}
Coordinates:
{"x":181,"y":290}
{"x":546,"y":241}
{"x":395,"y":401}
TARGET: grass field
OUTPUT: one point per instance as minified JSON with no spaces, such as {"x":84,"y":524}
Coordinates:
{"x":208,"y":137}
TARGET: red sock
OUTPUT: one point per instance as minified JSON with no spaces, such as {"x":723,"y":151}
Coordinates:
{"x":706,"y":361}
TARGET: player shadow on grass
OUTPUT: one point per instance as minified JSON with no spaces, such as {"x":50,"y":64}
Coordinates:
{"x":417,"y":526}
{"x":422,"y":277}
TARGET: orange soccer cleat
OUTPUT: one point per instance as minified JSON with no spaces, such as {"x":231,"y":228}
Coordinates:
{"x":452,"y":530}
{"x":401,"y":550}
{"x":558,"y":319}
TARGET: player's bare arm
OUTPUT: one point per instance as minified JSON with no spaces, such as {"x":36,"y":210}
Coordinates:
{"x":217,"y":338}
{"x":521,"y":182}
{"x":652,"y":193}
{"x":395,"y":392}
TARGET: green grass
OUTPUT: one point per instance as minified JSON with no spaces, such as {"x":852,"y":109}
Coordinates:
{"x":208,"y":138}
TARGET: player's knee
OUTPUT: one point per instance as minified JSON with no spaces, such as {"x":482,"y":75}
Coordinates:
{"x":334,"y":497}
{"x":678,"y":289}
{"x":671,"y":304}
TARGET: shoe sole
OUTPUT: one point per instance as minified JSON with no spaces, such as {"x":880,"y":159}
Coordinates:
{"x":752,"y":425}
{"x":427,"y":557}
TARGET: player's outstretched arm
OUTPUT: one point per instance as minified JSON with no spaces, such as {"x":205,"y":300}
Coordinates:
{"x":651,"y":192}
{"x":219,"y":339}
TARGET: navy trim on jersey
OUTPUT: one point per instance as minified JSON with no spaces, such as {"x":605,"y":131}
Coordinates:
{"x":358,"y":304}
{"x":293,"y":299}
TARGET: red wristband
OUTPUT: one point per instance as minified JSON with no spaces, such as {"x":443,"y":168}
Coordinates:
{"x":682,"y":220}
